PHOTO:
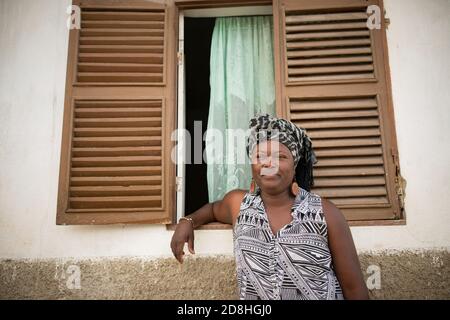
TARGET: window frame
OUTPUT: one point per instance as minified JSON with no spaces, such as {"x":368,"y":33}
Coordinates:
{"x":169,"y":74}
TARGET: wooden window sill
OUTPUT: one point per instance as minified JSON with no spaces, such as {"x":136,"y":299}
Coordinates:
{"x":371,"y":223}
{"x":209,"y":226}
{"x":377,"y":223}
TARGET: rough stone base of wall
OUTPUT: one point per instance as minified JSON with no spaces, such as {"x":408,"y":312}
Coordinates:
{"x":400,"y":275}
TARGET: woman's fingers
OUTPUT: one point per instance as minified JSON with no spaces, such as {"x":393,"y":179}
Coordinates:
{"x":183,"y":233}
{"x":177,"y":249}
{"x":173,"y":246}
{"x":179,"y":252}
{"x":191,"y":243}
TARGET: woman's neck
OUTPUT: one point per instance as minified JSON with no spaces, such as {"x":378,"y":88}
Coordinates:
{"x":277,"y":200}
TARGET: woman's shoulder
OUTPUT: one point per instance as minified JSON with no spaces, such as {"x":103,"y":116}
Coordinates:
{"x":233,"y":200}
{"x":329,"y":207}
{"x":235,"y":197}
{"x":332,"y":214}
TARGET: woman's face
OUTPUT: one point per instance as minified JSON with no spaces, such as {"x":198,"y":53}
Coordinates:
{"x":272,"y":166}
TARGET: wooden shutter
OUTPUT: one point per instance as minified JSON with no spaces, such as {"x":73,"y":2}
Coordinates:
{"x":119,"y":114}
{"x":333,"y":80}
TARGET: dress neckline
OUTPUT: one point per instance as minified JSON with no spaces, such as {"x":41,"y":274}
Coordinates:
{"x":297,"y":201}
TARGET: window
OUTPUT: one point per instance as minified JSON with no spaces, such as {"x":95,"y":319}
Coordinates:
{"x":332,"y":78}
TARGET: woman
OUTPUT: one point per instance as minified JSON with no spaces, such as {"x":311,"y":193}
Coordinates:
{"x":288,"y":243}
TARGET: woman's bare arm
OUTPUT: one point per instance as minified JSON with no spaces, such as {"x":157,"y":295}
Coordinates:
{"x":225,"y":211}
{"x":343,"y":252}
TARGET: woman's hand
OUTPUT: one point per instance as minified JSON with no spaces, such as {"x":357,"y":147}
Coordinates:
{"x":224,"y":211}
{"x":184,"y":232}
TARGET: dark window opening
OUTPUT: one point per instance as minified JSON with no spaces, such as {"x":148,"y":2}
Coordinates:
{"x":197,"y":48}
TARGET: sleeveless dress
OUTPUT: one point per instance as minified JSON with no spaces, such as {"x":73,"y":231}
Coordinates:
{"x":293,"y":264}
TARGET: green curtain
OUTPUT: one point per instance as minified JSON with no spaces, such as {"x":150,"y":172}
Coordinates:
{"x":242,"y":85}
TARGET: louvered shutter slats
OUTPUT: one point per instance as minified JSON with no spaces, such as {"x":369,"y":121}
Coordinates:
{"x":119,"y":113}
{"x":95,"y":128}
{"x":350,"y":128}
{"x":121,"y":47}
{"x":328,"y":46}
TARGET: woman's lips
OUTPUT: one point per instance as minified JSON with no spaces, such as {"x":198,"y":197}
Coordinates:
{"x":271,"y":176}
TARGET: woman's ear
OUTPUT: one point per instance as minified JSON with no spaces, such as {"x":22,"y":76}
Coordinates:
{"x":295,"y":189}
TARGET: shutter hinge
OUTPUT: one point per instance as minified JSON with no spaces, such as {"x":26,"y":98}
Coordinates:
{"x":179,"y":183}
{"x":400,"y":182}
{"x":387,"y":21}
{"x":180,"y":57}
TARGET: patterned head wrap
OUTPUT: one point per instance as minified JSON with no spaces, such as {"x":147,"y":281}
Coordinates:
{"x":266,"y":127}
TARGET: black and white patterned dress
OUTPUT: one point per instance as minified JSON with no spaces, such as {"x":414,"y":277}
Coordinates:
{"x":293,"y":264}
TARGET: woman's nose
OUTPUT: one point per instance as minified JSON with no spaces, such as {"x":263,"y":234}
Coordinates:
{"x":269,"y":162}
{"x":270,"y":166}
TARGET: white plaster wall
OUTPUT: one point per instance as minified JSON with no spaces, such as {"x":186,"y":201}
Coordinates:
{"x":419,"y":52}
{"x":33,"y":53}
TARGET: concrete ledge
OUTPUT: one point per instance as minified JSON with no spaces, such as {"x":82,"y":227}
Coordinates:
{"x":399,"y":275}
